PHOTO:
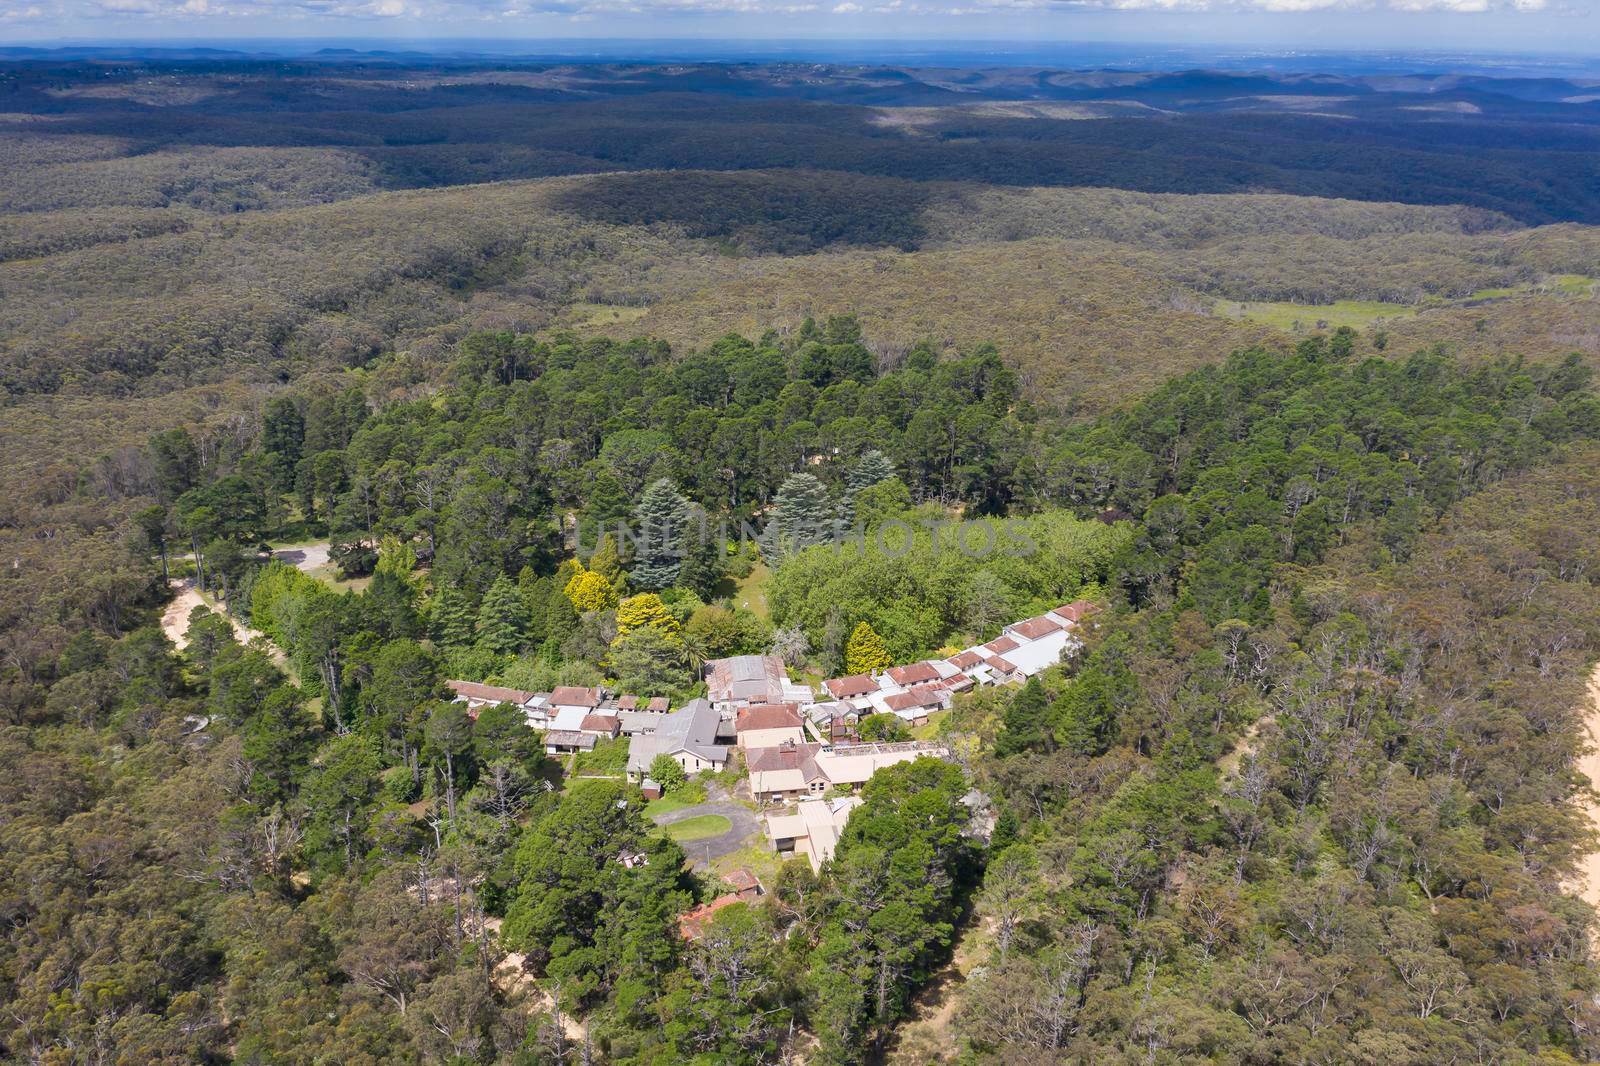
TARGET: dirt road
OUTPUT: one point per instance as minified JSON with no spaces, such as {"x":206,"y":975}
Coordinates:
{"x":1589,"y":766}
{"x":175,"y":620}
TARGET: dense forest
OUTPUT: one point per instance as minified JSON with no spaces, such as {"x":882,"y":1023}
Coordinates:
{"x":1307,"y":794}
{"x":852,"y":365}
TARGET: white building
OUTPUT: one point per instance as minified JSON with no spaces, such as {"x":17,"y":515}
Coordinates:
{"x":813,"y":830}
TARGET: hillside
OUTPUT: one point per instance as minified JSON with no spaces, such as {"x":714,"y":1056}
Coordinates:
{"x":600,"y":387}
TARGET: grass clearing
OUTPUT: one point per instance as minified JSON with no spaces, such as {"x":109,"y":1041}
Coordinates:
{"x":1300,"y":318}
{"x":609,"y":758}
{"x":667,"y":804}
{"x":929,"y":730}
{"x":595,"y":316}
{"x":751,"y":592}
{"x":758,"y":859}
{"x":700,"y":827}
{"x":328,"y":574}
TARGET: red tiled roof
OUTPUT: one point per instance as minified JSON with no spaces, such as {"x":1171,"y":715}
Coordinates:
{"x":657,"y":705}
{"x":1034,"y":628}
{"x":920,"y":696}
{"x":1004,"y":666}
{"x":768,"y":716}
{"x":1001,"y":645}
{"x":627,"y":703}
{"x":600,"y":723}
{"x":571,"y":696}
{"x":472,"y":690}
{"x":914,"y":673}
{"x":691,"y":924}
{"x":744,"y":883}
{"x":1076,"y":610}
{"x":965,"y":661}
{"x":844,"y":688}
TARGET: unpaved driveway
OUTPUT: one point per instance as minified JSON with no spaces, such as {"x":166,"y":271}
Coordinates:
{"x":701,"y":852}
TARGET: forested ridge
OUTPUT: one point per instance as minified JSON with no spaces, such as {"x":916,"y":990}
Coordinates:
{"x":1290,"y":375}
{"x":1306,"y":795}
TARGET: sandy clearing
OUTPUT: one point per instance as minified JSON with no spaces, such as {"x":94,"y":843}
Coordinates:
{"x":306,"y":557}
{"x":1589,"y":766}
{"x":175,"y":620}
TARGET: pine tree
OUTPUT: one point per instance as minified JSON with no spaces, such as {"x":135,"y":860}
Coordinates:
{"x":803,"y":514}
{"x":607,"y":560}
{"x":704,"y":560}
{"x":871,"y":468}
{"x":450,"y":619}
{"x":1027,"y":722}
{"x":503,"y":618}
{"x":661,"y":523}
{"x":866,"y":652}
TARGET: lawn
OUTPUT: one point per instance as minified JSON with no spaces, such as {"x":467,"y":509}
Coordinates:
{"x":1295,"y":318}
{"x":700,"y":827}
{"x":609,"y":757}
{"x":668,"y":804}
{"x":751,"y":592}
{"x":758,"y":858}
{"x":930,"y":731}
{"x":328,"y":574}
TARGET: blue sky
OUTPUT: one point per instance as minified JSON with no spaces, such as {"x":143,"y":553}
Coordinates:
{"x":1560,"y":26}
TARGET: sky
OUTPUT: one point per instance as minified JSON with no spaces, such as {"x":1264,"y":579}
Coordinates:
{"x":1570,"y":27}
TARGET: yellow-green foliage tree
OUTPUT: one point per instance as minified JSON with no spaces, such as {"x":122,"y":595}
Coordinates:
{"x":865,"y":653}
{"x":396,"y":557}
{"x":590,"y":591}
{"x":645,"y":609}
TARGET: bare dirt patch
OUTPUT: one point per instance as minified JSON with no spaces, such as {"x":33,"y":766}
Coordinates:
{"x":1589,"y":766}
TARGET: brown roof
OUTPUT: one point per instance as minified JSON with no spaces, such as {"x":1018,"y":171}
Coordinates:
{"x":768,"y":716}
{"x":657,"y":705}
{"x":1004,"y":666}
{"x":744,"y":882}
{"x":844,"y":688}
{"x":914,"y":673}
{"x":1076,"y":610}
{"x":965,"y":661}
{"x":601,"y":723}
{"x":572,"y":696}
{"x":1034,"y":628}
{"x":785,"y":756}
{"x":1001,"y":645}
{"x":958,"y":683}
{"x":920,"y":696}
{"x":627,"y":703}
{"x":472,"y":690}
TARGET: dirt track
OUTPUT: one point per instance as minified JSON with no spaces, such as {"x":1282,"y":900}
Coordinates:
{"x":1589,"y":766}
{"x":175,"y":619}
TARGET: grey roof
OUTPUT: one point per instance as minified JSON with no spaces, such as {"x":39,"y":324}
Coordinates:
{"x":691,"y":728}
{"x":637,"y":722}
{"x":745,"y":677}
{"x":567,"y":738}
